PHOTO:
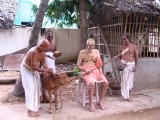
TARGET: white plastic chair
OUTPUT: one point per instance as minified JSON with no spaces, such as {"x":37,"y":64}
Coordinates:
{"x":83,"y":98}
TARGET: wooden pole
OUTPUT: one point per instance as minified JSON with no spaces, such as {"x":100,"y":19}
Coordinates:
{"x":110,"y":57}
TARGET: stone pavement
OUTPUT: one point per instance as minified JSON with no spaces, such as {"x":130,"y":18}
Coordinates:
{"x":141,"y":100}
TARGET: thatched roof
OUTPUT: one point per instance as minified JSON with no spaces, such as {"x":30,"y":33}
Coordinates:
{"x":8,"y":10}
{"x":140,"y":6}
{"x":105,"y":9}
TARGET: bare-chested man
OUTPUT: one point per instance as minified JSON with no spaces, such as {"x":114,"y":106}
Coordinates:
{"x":130,"y":59}
{"x":50,"y":56}
{"x":30,"y":76}
{"x":87,"y":63}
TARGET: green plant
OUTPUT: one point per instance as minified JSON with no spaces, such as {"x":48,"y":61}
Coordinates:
{"x":75,"y":71}
{"x":62,"y":13}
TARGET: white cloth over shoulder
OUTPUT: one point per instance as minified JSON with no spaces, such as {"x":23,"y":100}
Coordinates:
{"x":32,"y":86}
{"x":50,"y":61}
{"x":127,"y":77}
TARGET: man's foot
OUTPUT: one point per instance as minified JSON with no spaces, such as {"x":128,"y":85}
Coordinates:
{"x":32,"y":114}
{"x":92,"y":108}
{"x":101,"y":106}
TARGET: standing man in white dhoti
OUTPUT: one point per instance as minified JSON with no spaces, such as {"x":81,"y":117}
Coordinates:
{"x":52,"y":53}
{"x":50,"y":57}
{"x":130,"y":59}
{"x":30,"y":76}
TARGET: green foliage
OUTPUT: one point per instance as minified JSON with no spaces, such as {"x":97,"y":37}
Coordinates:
{"x":63,"y":12}
{"x":34,"y":9}
{"x":75,"y":71}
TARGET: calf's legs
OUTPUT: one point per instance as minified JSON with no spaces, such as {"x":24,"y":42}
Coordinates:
{"x":50,"y":101}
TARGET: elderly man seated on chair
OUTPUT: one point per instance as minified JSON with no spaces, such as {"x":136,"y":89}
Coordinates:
{"x":90,"y":64}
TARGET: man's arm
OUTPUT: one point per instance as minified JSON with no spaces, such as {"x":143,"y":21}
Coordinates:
{"x":79,"y":61}
{"x":136,"y":58}
{"x":35,"y":63}
{"x":136,"y":55}
{"x":120,"y":51}
{"x":52,"y":47}
{"x":43,"y":62}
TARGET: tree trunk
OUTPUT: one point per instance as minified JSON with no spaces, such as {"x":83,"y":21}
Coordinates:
{"x":37,"y":24}
{"x":83,"y":22}
{"x":18,"y":89}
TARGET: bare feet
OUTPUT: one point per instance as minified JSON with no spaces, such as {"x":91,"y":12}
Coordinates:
{"x":101,"y":105}
{"x":32,"y":114}
{"x":92,"y":108}
{"x":50,"y":111}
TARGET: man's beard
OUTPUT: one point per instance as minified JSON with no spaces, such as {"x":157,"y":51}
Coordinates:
{"x":89,"y":50}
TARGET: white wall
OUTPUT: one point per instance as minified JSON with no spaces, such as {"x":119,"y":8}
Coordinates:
{"x":147,"y":75}
{"x":13,"y":40}
{"x":66,"y":40}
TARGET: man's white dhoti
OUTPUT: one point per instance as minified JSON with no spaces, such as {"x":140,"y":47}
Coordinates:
{"x":32,"y":86}
{"x":127,"y":77}
{"x":50,"y":61}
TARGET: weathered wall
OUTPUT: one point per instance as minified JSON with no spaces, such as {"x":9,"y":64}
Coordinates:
{"x":13,"y":40}
{"x":147,"y":75}
{"x":16,"y":40}
{"x":68,"y":41}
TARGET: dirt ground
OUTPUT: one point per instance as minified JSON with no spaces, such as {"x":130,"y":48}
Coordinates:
{"x":68,"y":94}
{"x":151,"y":114}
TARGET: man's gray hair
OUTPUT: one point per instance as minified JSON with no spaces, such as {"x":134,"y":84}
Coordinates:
{"x":90,"y":41}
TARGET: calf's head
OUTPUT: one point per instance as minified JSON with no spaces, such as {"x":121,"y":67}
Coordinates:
{"x":63,"y":78}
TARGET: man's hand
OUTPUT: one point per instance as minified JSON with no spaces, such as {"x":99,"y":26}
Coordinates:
{"x":57,"y":53}
{"x":49,"y":70}
{"x":87,"y":71}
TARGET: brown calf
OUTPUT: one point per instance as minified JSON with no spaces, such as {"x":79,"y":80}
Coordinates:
{"x":52,"y":83}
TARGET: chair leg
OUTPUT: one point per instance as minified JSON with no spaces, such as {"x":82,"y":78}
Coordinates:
{"x":78,"y":89}
{"x":84,"y":96}
{"x":84,"y":90}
